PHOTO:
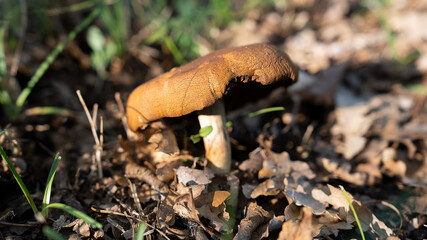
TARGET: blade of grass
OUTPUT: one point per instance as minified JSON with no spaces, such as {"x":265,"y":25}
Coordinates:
{"x":5,"y":98}
{"x":52,"y":56}
{"x":47,"y":110}
{"x":74,"y":212}
{"x":140,"y":232}
{"x":48,"y":189}
{"x":174,"y":50}
{"x":19,"y":180}
{"x":265,"y":110}
{"x":72,"y":8}
{"x":354,"y":212}
{"x":52,"y":234}
{"x":2,"y":55}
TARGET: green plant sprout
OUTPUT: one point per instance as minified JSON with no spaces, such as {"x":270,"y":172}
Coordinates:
{"x":203,"y":132}
{"x":140,"y":232}
{"x":19,"y":180}
{"x":265,"y":110}
{"x":47,"y":193}
{"x":52,"y":234}
{"x":354,"y":212}
{"x":102,"y":51}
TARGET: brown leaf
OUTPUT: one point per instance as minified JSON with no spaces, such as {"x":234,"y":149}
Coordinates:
{"x":299,"y":230}
{"x":268,"y":187}
{"x":189,"y":176}
{"x":254,"y":163}
{"x":391,"y":165}
{"x":220,"y":197}
{"x":369,"y":221}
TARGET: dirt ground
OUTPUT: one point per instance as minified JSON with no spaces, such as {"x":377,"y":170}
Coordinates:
{"x":356,"y":119}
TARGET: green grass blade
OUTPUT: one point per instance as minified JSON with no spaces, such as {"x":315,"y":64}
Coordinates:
{"x":19,"y":180}
{"x":72,"y":8}
{"x":75,"y":213}
{"x":52,"y":234}
{"x":354,"y":212}
{"x":140,"y":232}
{"x":174,"y":50}
{"x":2,"y":55}
{"x":52,"y":56}
{"x":47,"y":110}
{"x":265,"y":110}
{"x":5,"y":98}
{"x":48,"y":189}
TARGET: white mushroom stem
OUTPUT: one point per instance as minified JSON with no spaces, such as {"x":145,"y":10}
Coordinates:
{"x":217,"y":143}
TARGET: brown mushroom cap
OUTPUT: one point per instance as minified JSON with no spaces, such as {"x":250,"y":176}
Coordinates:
{"x":201,"y":82}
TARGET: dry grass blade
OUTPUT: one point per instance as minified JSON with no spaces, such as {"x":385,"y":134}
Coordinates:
{"x":119,"y":101}
{"x":98,"y":140}
{"x":135,"y":196}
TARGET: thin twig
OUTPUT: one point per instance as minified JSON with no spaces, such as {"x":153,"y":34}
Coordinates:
{"x":99,"y":148}
{"x":91,"y":122}
{"x":95,"y":114}
{"x":19,"y":224}
{"x":135,"y":196}
{"x":129,"y":216}
{"x":130,"y":135}
{"x":307,"y":134}
{"x":98,"y":142}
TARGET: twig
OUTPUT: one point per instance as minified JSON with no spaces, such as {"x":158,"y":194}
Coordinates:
{"x":98,"y":142}
{"x":307,"y":134}
{"x":103,"y":211}
{"x":95,"y":114}
{"x":19,"y":224}
{"x":255,"y":216}
{"x":130,"y":135}
{"x":135,"y":196}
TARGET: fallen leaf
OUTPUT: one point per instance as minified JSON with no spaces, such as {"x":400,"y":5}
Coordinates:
{"x":220,"y":197}
{"x":301,"y":229}
{"x":189,"y":176}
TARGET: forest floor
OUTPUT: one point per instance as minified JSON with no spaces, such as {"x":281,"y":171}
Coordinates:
{"x":356,"y":119}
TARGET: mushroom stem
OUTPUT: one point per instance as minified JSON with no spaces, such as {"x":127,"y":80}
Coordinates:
{"x":217,"y":143}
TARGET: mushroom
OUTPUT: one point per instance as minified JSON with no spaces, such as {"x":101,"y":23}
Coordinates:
{"x":200,"y":85}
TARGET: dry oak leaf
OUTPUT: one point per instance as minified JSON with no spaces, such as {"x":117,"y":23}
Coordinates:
{"x":189,"y":176}
{"x":299,"y":230}
{"x":275,"y":167}
{"x":332,"y":211}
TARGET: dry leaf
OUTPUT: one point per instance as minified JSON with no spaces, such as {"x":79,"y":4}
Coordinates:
{"x":189,"y":176}
{"x":300,"y":230}
{"x":220,"y":197}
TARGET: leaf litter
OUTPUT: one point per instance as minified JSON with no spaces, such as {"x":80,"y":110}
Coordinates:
{"x":351,"y":120}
